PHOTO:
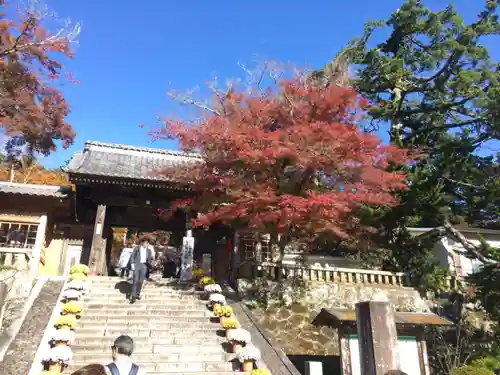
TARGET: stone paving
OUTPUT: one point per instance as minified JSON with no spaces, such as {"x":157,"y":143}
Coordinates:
{"x":21,"y":352}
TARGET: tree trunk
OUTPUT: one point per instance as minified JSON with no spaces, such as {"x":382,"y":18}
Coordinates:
{"x":12,"y":173}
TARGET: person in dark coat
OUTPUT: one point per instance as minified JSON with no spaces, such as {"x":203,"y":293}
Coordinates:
{"x":140,"y":261}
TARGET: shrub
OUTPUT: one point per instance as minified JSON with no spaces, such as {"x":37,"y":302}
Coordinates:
{"x":488,"y":362}
{"x":471,"y":370}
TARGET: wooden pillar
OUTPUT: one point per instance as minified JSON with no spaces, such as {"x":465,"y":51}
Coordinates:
{"x":235,"y":257}
{"x":36,"y":252}
{"x":378,"y":338}
{"x":97,"y":259}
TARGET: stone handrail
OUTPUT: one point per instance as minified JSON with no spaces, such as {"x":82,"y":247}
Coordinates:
{"x":16,"y":257}
{"x":330,"y":274}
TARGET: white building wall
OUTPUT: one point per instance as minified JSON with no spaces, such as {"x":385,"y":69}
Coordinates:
{"x":457,"y":261}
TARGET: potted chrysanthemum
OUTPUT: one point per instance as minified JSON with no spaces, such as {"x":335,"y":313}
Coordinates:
{"x":78,"y":276}
{"x":71,"y":295}
{"x":72,"y":308}
{"x":66,"y":322}
{"x":198,"y":273}
{"x":79,"y":268}
{"x":212,"y":288}
{"x":57,"y":357}
{"x":216,"y":300}
{"x":79,"y":285}
{"x":222,"y":312}
{"x":62,"y":337}
{"x":247,"y":356}
{"x":260,"y":371}
{"x":228,"y":324}
{"x":238,"y":338}
{"x":205,"y":280}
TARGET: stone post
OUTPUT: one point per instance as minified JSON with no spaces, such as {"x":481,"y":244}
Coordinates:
{"x":36,"y":252}
{"x":187,"y":256}
{"x":378,"y":338}
{"x":313,"y":368}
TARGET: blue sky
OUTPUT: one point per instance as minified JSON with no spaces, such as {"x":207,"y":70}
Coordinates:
{"x":131,"y":53}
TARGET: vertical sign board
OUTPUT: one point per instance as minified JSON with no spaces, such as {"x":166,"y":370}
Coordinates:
{"x":187,"y":257}
{"x":206,"y":263}
{"x":408,"y":355}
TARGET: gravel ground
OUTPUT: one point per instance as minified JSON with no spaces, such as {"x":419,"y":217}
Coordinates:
{"x":21,"y":352}
{"x":13,"y":310}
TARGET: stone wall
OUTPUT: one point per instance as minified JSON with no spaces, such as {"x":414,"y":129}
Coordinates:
{"x":287,"y":309}
{"x":318,"y":295}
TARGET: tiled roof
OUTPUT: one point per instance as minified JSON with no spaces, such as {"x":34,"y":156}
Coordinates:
{"x":36,"y":190}
{"x":410,"y":318}
{"x":123,"y":161}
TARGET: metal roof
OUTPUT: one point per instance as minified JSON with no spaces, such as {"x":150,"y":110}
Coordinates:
{"x":462,"y":228}
{"x":124,"y":161}
{"x":34,"y":190}
{"x":407,"y":318}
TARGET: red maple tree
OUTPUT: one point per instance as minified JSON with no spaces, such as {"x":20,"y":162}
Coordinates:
{"x":32,"y":109}
{"x":291,"y":161}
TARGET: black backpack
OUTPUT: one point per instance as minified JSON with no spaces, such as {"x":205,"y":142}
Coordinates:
{"x":114,"y":370}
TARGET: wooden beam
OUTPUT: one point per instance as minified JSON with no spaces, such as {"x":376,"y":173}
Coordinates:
{"x":97,"y":259}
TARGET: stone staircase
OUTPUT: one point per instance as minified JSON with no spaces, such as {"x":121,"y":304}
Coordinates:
{"x":170,"y":326}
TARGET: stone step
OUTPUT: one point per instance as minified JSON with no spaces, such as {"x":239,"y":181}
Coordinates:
{"x":167,"y":281}
{"x":174,"y":305}
{"x":135,"y":331}
{"x":126,"y":287}
{"x":148,"y":296}
{"x":147,"y":324}
{"x":183,"y":368}
{"x":158,"y":357}
{"x":141,"y":306}
{"x":99,"y":314}
{"x":71,"y":369}
{"x":152,"y":340}
{"x":152,"y":290}
{"x":148,"y":284}
{"x":122,"y":300}
{"x":100,"y":318}
{"x":156,"y":347}
{"x":187,"y":313}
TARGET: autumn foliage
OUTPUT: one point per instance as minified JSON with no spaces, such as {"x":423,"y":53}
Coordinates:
{"x":31,"y":106}
{"x":35,"y":174}
{"x":288,"y":161}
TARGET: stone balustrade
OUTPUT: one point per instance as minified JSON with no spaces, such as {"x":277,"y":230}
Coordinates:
{"x":328,"y":274}
{"x":15,"y":257}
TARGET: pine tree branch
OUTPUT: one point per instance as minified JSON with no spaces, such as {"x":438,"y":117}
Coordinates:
{"x":448,"y":229}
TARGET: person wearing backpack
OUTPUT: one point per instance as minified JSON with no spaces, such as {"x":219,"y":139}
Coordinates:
{"x":122,"y":364}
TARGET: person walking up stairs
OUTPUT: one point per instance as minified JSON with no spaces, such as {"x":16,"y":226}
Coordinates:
{"x":171,"y":329}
